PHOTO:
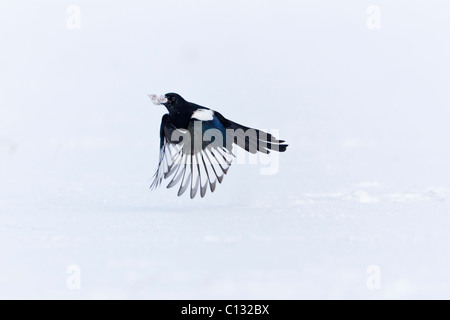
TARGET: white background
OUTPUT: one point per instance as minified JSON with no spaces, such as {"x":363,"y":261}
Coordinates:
{"x":365,"y":180}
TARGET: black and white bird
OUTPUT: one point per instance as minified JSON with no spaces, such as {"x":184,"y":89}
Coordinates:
{"x":196,"y":145}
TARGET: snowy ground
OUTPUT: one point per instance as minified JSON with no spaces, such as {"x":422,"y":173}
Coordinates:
{"x":365,"y":181}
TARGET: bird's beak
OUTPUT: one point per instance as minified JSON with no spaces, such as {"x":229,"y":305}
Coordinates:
{"x":158,"y":100}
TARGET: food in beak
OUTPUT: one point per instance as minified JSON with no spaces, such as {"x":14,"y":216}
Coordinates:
{"x":158,"y":100}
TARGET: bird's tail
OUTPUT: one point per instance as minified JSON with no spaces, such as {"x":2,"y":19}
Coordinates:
{"x":253,"y":140}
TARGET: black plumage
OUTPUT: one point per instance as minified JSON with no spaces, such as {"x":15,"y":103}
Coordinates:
{"x":196,"y":145}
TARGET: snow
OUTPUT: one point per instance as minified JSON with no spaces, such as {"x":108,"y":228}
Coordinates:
{"x":363,"y":187}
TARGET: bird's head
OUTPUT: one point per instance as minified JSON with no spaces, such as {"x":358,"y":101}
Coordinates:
{"x":172,"y":101}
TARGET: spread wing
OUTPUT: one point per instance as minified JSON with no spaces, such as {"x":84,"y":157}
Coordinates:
{"x":195,"y":157}
{"x":199,"y":155}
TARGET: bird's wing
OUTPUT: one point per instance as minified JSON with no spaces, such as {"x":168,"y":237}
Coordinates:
{"x":195,"y":157}
{"x":166,"y":151}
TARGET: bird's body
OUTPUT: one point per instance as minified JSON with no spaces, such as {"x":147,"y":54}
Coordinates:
{"x":196,"y":145}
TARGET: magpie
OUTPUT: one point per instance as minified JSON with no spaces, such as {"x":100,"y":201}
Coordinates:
{"x":196,"y":145}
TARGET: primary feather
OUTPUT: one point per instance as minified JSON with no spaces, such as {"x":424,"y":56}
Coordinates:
{"x":196,"y":145}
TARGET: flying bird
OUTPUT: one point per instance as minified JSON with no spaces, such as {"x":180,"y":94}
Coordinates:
{"x":196,"y":145}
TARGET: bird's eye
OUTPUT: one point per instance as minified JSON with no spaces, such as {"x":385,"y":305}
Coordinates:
{"x":173,"y":99}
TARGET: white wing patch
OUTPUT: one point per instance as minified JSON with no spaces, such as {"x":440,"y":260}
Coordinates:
{"x":203,"y":115}
{"x":194,"y":171}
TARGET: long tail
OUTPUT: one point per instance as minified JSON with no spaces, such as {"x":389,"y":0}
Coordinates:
{"x":253,"y":140}
{"x":249,"y":139}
